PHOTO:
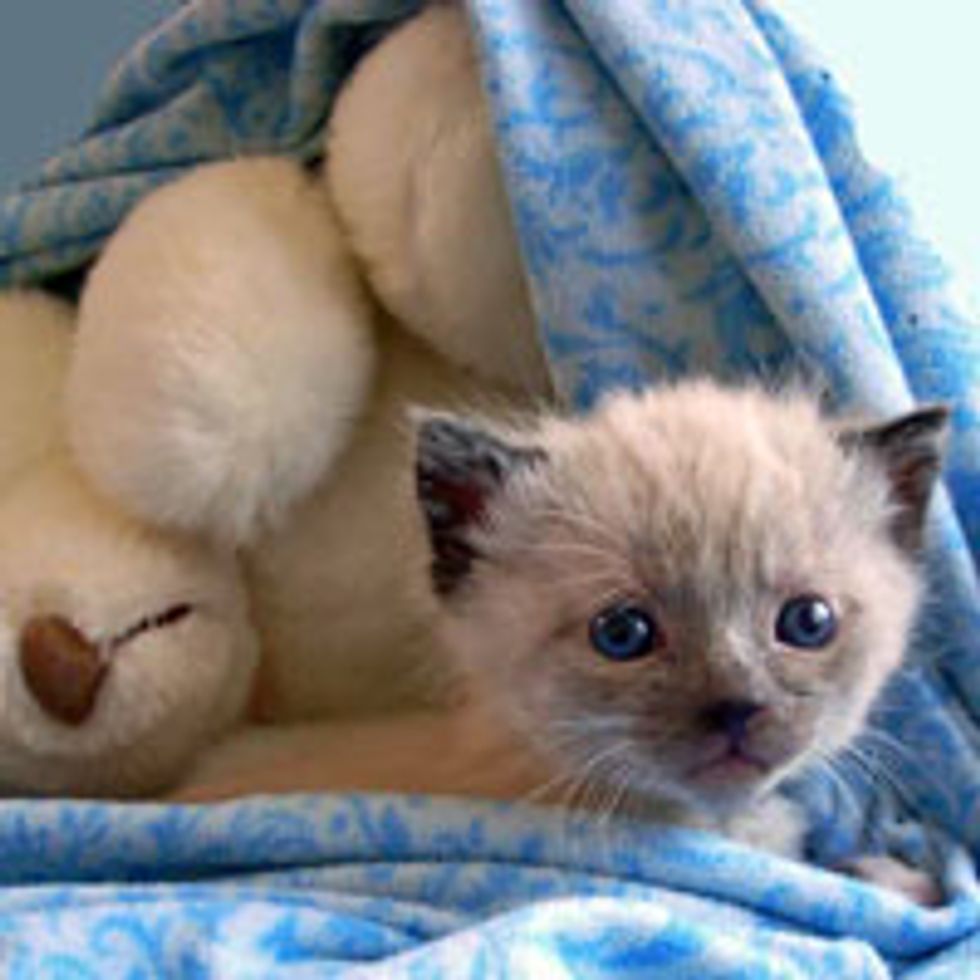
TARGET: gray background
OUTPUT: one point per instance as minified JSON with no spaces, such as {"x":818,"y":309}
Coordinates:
{"x":54,"y":56}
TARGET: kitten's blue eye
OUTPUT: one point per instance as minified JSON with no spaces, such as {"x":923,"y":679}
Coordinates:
{"x":807,"y":622}
{"x":624,"y":632}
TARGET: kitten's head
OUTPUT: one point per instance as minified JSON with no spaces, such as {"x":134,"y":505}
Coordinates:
{"x":690,"y":592}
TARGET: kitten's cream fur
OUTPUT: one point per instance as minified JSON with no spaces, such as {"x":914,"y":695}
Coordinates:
{"x":711,"y":508}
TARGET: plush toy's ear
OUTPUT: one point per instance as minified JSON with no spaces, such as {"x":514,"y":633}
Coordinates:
{"x":909,"y":450}
{"x":459,"y":468}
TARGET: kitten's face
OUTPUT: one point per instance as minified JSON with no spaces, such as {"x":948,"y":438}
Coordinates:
{"x":687,"y":594}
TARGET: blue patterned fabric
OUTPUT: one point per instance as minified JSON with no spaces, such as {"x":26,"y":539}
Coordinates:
{"x":417,"y":888}
{"x":689,"y":196}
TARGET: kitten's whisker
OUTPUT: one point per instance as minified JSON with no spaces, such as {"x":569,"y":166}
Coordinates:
{"x":890,"y":757}
{"x":540,"y":792}
{"x":573,"y":784}
{"x":590,"y":722}
{"x":601,"y":795}
{"x":884,"y":750}
{"x":582,"y":732}
{"x":574,"y":791}
{"x":620,"y":785}
{"x":591,"y":796}
{"x":887,"y":742}
{"x":828,"y":765}
{"x":575,"y":738}
{"x":599,"y":807}
{"x":877,"y":773}
{"x":585,"y":784}
{"x":609,"y":784}
{"x":578,"y":738}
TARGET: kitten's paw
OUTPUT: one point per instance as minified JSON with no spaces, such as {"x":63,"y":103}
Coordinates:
{"x":895,"y":875}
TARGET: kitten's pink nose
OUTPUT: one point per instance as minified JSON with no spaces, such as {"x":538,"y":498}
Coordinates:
{"x":731,"y":717}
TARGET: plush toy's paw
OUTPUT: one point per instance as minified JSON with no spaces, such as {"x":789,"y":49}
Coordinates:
{"x":895,"y":875}
{"x":225,"y":350}
{"x":412,"y":164}
{"x":123,"y":651}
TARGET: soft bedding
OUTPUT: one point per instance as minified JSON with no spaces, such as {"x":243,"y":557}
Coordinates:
{"x":689,"y":196}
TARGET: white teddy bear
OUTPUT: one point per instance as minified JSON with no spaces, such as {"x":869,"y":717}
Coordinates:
{"x":235,"y":380}
{"x":233,"y":483}
{"x":123,"y":649}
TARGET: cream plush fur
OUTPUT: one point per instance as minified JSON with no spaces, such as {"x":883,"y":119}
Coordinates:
{"x":226,"y":483}
{"x":35,"y":339}
{"x":316,"y":500}
{"x":225,"y":351}
{"x":413,"y":169}
{"x":231,"y":482}
{"x":340,"y":590}
{"x":71,"y":557}
{"x":253,"y":336}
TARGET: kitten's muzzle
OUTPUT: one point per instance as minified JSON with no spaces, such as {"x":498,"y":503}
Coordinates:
{"x":730,"y":723}
{"x":731,"y":718}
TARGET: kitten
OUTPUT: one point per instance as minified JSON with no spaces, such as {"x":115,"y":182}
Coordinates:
{"x":683,"y":597}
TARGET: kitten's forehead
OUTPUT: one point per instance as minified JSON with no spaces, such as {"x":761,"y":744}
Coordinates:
{"x":702,"y":473}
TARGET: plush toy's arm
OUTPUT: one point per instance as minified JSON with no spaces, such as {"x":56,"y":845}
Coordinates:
{"x":225,"y":350}
{"x":412,"y":166}
{"x":400,"y":752}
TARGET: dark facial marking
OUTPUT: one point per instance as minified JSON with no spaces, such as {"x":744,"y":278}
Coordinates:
{"x":909,"y":450}
{"x":459,"y":468}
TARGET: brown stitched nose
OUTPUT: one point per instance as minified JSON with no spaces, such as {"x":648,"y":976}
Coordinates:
{"x":730,"y":717}
{"x":62,"y":668}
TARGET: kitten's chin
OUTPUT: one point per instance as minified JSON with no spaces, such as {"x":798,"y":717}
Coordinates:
{"x":729,"y":783}
{"x":714,"y":799}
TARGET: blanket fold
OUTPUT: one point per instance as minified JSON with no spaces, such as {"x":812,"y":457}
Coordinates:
{"x":403,"y":886}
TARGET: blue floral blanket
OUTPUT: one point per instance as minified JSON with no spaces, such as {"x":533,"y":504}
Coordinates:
{"x":416,"y":887}
{"x":689,"y":196}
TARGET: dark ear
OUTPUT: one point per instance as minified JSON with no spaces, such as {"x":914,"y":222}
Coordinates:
{"x":459,"y":467}
{"x":909,"y":450}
